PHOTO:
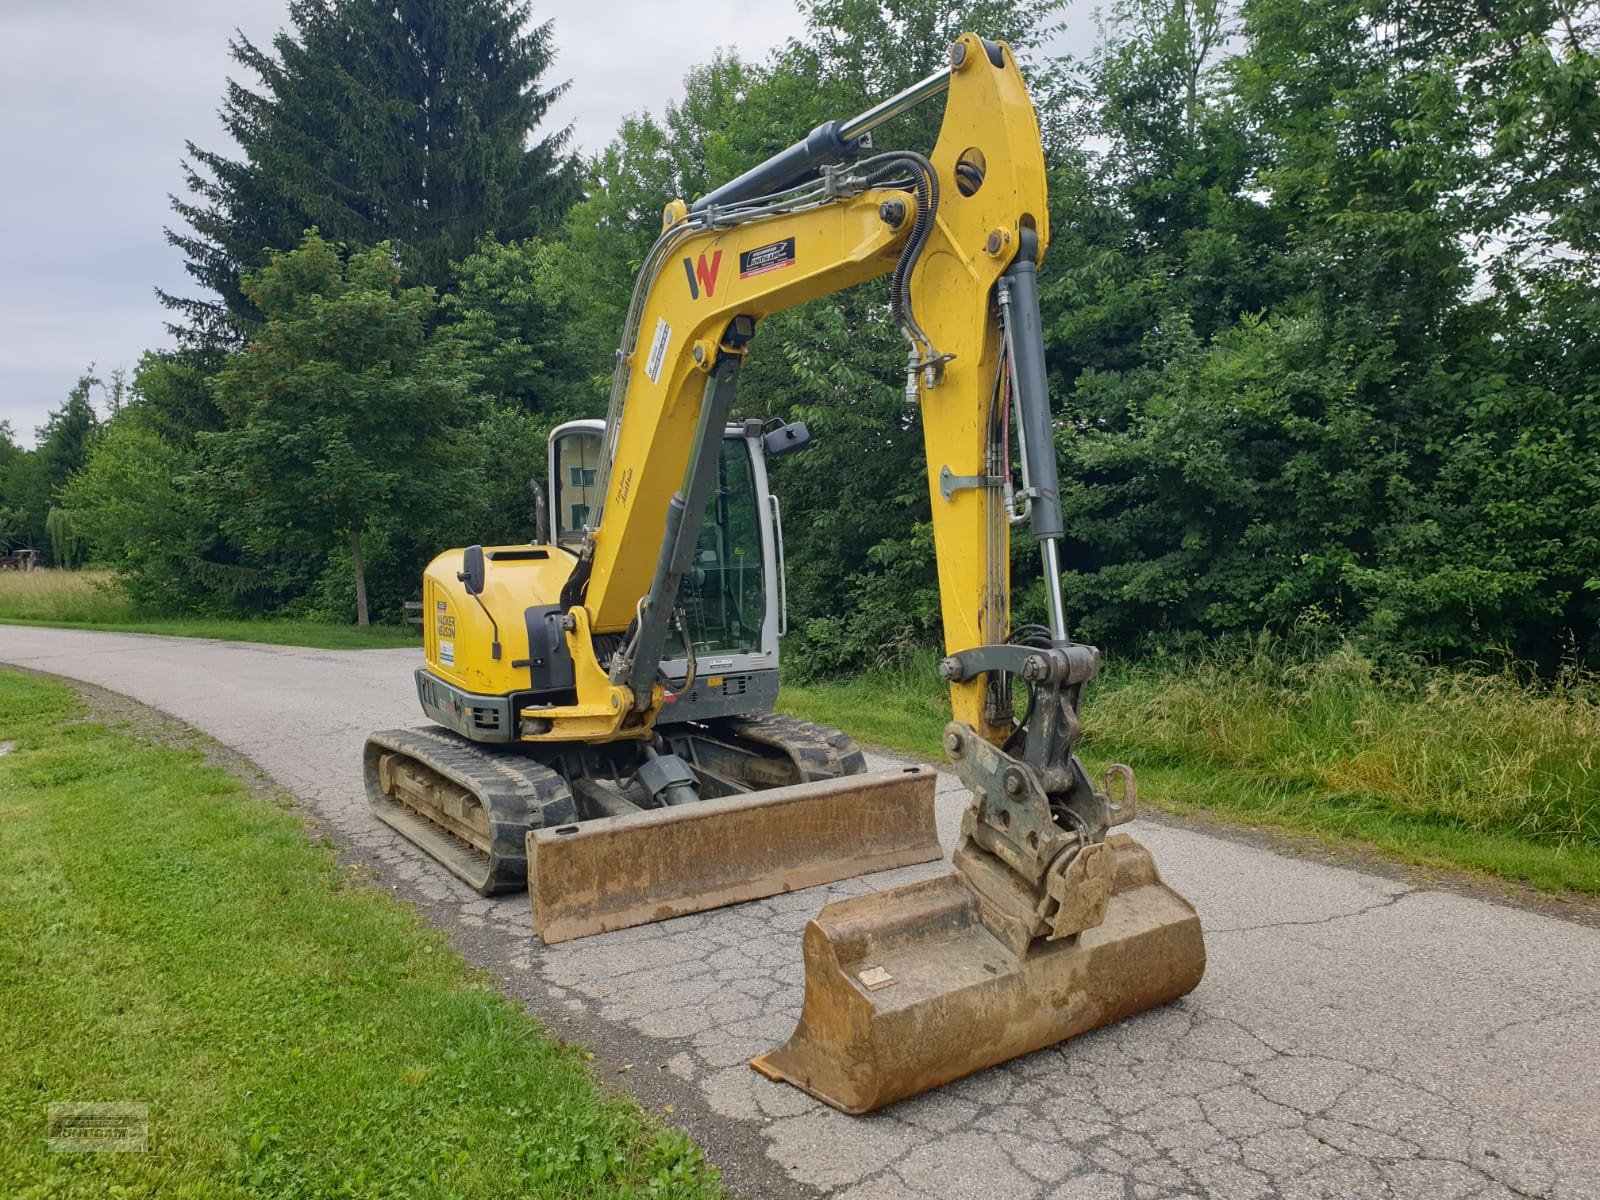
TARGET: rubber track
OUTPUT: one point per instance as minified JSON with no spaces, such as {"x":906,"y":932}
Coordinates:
{"x":517,"y":795}
{"x":819,"y":752}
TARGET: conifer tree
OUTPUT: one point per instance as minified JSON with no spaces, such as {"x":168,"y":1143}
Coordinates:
{"x":408,"y":121}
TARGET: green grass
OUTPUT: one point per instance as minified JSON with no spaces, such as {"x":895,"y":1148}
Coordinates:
{"x":51,"y":595}
{"x":270,"y":632}
{"x":86,"y":600}
{"x":903,"y":706}
{"x":1439,"y":768}
{"x":166,"y":938}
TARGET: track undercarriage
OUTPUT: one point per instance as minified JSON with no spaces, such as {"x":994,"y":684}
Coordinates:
{"x":773,"y":804}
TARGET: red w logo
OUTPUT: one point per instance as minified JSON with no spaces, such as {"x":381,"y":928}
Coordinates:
{"x":702,"y":276}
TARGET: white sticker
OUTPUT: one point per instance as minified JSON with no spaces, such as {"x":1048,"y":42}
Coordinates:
{"x":447,"y":653}
{"x":658,"y":350}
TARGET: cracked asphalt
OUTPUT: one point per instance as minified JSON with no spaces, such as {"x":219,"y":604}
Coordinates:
{"x":1355,"y":1036}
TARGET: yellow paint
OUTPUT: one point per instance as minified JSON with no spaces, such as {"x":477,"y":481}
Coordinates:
{"x":687,"y":307}
{"x":835,"y":247}
{"x":603,"y":711}
{"x":510,"y":587}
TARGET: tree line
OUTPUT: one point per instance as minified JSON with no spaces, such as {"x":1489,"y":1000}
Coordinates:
{"x":1321,"y":312}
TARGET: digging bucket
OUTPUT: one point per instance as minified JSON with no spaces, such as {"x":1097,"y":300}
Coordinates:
{"x":906,"y":989}
{"x":616,"y":872}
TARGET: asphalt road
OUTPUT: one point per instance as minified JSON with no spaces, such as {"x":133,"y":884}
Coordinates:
{"x":1355,"y":1036}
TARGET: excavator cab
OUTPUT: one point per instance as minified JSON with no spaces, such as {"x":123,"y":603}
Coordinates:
{"x":574,"y":451}
{"x":733,"y":598}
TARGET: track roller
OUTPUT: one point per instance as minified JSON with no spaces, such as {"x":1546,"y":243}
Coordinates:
{"x":468,"y":805}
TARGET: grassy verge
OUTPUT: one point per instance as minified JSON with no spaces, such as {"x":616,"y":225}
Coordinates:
{"x":85,"y":600}
{"x":1435,"y":768}
{"x":272,"y":633}
{"x":167,"y":939}
{"x":904,"y":707}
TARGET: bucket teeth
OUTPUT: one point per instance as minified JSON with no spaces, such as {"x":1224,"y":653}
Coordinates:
{"x":907,"y":989}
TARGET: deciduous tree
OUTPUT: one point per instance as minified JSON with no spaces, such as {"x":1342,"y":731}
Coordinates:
{"x":31,"y":479}
{"x":342,"y":412}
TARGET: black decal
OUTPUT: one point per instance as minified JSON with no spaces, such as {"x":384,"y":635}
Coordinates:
{"x":772,"y":257}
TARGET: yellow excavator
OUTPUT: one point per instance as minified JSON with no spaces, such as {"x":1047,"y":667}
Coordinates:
{"x":544,"y":773}
{"x":603,"y":693}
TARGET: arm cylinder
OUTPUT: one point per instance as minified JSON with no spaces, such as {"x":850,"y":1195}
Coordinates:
{"x":824,"y":144}
{"x":903,"y":101}
{"x":1033,"y":390}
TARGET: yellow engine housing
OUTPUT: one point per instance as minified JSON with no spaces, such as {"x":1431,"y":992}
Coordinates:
{"x":480,"y":690}
{"x":458,"y":634}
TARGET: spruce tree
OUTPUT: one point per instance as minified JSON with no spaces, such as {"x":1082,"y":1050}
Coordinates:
{"x":407,"y":121}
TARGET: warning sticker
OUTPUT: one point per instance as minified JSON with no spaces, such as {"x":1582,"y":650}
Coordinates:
{"x":772,"y":257}
{"x":658,"y":350}
{"x":447,"y":654}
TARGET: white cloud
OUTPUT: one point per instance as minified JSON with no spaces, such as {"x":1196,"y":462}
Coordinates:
{"x":98,"y":96}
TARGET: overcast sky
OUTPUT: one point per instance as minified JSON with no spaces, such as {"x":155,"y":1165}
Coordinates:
{"x":98,"y":96}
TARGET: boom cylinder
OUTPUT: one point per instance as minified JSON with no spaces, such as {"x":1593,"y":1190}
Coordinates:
{"x":831,"y":142}
{"x":685,"y":513}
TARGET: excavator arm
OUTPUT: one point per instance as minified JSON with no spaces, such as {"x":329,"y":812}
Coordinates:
{"x":960,"y":233}
{"x":947,"y":229}
{"x":1049,"y":925}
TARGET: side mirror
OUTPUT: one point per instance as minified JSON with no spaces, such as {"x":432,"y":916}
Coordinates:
{"x":541,"y":523}
{"x":472,"y":570}
{"x":786,"y":439}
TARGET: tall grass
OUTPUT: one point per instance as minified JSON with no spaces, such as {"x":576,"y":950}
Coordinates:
{"x":68,"y":596}
{"x":1486,"y":753}
{"x":88,"y":600}
{"x":903,"y":705}
{"x":1489,"y":771}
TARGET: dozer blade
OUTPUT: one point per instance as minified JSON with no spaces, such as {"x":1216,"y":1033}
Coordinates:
{"x":616,"y":872}
{"x":906,"y":989}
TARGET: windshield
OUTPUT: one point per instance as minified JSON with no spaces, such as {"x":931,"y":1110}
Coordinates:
{"x":724,"y":595}
{"x":577,"y":462}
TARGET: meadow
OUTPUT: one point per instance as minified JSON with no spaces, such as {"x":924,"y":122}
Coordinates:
{"x":1495,"y":772}
{"x":169,"y":939}
{"x":87,"y":600}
